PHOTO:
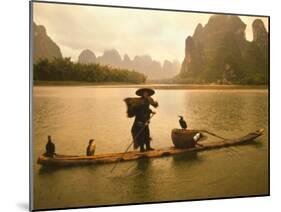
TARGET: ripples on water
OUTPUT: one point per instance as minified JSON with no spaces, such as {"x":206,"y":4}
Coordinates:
{"x":73,"y":115}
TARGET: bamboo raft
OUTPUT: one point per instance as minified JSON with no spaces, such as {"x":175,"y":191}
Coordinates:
{"x":68,"y":160}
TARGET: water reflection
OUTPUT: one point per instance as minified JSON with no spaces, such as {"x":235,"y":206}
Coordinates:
{"x":73,"y":115}
{"x":45,"y":170}
{"x":188,"y":157}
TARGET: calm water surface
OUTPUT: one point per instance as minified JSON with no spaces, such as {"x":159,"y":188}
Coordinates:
{"x":73,"y":115}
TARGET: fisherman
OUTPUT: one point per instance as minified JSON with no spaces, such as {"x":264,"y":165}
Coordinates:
{"x":91,"y":148}
{"x":50,"y":147}
{"x":142,"y":112}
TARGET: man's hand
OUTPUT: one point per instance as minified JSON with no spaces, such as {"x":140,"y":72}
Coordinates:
{"x":152,"y":102}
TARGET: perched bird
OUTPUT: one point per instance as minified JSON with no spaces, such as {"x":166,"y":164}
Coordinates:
{"x":50,"y":147}
{"x":182,"y":123}
{"x":91,"y":148}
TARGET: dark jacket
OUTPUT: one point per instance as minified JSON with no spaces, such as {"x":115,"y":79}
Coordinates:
{"x":140,"y":129}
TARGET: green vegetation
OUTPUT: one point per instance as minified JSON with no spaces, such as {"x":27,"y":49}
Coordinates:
{"x":60,"y":69}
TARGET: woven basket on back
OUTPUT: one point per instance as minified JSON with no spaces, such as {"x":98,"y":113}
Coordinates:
{"x":132,"y":104}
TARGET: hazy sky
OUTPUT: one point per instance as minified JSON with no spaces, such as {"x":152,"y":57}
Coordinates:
{"x":160,"y":34}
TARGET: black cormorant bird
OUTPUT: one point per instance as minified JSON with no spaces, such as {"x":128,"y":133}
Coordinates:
{"x":91,"y":147}
{"x":182,"y":123}
{"x":50,"y":147}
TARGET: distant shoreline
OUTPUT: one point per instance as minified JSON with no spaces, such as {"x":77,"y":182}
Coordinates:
{"x":77,"y":83}
{"x":151,"y":85}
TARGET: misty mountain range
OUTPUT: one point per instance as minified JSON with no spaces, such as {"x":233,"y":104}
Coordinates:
{"x":144,"y":64}
{"x":216,"y":53}
{"x":219,"y":53}
{"x":45,"y":47}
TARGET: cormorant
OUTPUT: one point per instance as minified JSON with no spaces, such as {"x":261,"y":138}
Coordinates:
{"x":182,"y":123}
{"x":50,"y":147}
{"x":91,"y":148}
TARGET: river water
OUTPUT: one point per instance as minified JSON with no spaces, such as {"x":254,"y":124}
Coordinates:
{"x":74,"y":114}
